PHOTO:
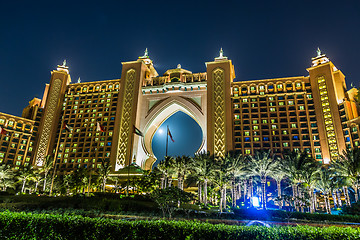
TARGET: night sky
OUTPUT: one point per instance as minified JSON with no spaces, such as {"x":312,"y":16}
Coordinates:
{"x":264,"y":39}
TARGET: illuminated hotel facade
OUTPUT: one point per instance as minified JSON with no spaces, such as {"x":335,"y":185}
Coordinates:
{"x":316,"y":114}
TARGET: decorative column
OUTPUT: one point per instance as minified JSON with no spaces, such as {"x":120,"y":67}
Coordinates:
{"x":130,"y":97}
{"x":327,"y":86}
{"x":51,"y":117}
{"x":219,"y":116}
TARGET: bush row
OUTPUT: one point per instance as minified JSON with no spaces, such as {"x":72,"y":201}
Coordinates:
{"x":47,"y":226}
{"x":279,"y":215}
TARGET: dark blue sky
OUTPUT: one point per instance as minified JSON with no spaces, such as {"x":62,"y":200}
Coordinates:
{"x":265,"y":39}
{"x":186,"y":133}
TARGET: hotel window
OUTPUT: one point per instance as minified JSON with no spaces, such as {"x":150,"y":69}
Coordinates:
{"x":11,"y":123}
{"x":284,"y":132}
{"x":247,"y":151}
{"x":261,"y":87}
{"x":237,"y":116}
{"x":244,"y":100}
{"x":264,"y":121}
{"x":271,"y":98}
{"x":256,"y":139}
{"x":255,"y":127}
{"x":272,"y":110}
{"x":301,"y":107}
{"x":285,"y":144}
{"x":252,"y":88}
{"x":291,"y":102}
{"x":293,"y":125}
{"x":247,"y":133}
{"x":273,"y":126}
{"x":280,"y":86}
{"x":255,"y":121}
{"x":2,"y":120}
{"x":309,"y":96}
{"x":281,"y":103}
{"x":236,"y":106}
{"x":298,"y":84}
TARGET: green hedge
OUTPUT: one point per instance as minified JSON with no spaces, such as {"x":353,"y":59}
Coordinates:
{"x":45,"y":226}
{"x":280,"y":215}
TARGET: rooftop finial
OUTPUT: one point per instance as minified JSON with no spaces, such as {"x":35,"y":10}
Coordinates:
{"x":146,"y":54}
{"x":221,"y":56}
{"x":79,"y":80}
{"x":64,"y":63}
{"x":318,"y":52}
{"x":179,"y":66}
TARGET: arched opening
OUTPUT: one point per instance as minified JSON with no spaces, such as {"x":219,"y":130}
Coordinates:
{"x":185,"y":132}
{"x":156,"y":117}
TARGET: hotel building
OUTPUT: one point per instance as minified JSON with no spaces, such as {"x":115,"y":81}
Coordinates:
{"x":314,"y":113}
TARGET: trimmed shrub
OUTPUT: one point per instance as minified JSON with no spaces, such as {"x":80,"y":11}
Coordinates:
{"x":46,"y":226}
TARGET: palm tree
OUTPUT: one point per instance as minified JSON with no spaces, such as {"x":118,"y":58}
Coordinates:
{"x":25,"y":174}
{"x":37,"y":178}
{"x":278,"y":176}
{"x":221,"y":178}
{"x":6,"y":176}
{"x":262,"y":164}
{"x":237,"y":171}
{"x":348,"y":168}
{"x":324,"y":184}
{"x":167,"y":170}
{"x":104,"y":172}
{"x":202,"y":166}
{"x":309,"y":181}
{"x":48,"y":165}
{"x":294,"y":164}
{"x":181,"y":167}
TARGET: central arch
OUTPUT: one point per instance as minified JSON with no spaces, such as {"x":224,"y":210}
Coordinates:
{"x":157,"y":115}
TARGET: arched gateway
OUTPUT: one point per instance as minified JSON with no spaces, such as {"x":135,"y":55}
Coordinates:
{"x":154,"y":98}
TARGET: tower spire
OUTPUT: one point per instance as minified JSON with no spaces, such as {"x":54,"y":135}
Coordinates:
{"x":221,"y":56}
{"x":318,"y":51}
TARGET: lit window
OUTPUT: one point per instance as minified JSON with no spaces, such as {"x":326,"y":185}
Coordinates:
{"x":273,"y":126}
{"x":255,"y":127}
{"x":301,"y":107}
{"x":272,"y":109}
{"x":264,"y":121}
{"x":293,"y":125}
{"x":298,"y":84}
{"x":247,"y":151}
{"x":284,"y":132}
{"x":256,"y":139}
{"x":291,"y":102}
{"x":255,"y":121}
{"x":261,"y":87}
{"x":247,"y":133}
{"x":245,"y":100}
{"x":285,"y":144}
{"x":237,"y":116}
